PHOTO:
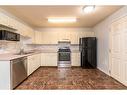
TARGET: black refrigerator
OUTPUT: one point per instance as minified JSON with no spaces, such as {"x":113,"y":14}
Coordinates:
{"x":88,"y":48}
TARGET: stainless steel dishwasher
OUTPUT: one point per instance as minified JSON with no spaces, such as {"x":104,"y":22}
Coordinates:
{"x":18,"y":71}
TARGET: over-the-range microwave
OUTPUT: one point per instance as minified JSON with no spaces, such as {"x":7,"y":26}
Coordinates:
{"x":9,"y":36}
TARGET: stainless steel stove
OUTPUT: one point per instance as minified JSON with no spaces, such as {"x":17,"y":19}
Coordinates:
{"x":64,"y":56}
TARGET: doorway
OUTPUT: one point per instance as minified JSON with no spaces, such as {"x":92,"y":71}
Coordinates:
{"x":118,"y":50}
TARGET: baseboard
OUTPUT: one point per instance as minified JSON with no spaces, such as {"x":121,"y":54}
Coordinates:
{"x":57,"y":66}
{"x":75,"y":66}
{"x":103,"y":71}
{"x":50,"y":66}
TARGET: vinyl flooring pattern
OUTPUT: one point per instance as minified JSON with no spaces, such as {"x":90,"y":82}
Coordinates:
{"x":51,"y":78}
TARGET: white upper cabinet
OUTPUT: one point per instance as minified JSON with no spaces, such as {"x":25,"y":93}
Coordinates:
{"x":74,"y":37}
{"x":52,"y":37}
{"x":21,"y":28}
{"x":38,"y":37}
{"x":3,"y":19}
{"x":8,"y":21}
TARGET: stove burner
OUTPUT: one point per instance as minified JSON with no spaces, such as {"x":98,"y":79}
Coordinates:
{"x":64,"y":50}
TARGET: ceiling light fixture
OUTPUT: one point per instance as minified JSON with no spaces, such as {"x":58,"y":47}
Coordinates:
{"x":62,"y":20}
{"x":88,"y":9}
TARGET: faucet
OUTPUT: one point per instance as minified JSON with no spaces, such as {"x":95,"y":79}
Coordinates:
{"x":21,"y":51}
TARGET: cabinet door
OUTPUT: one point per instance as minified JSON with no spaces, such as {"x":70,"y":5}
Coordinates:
{"x":75,"y":59}
{"x":38,"y":38}
{"x":4,"y":19}
{"x":53,"y":38}
{"x":30,"y":65}
{"x":43,"y":62}
{"x":11,"y":22}
{"x":74,"y":37}
{"x":34,"y":63}
{"x":32,"y":36}
{"x":49,"y":59}
{"x":37,"y":61}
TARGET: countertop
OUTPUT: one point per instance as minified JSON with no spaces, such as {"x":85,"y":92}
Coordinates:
{"x":11,"y":56}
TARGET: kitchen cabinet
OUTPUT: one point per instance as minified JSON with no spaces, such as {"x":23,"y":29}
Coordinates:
{"x":5,"y":75}
{"x":49,"y":38}
{"x":3,"y":19}
{"x":21,"y":28}
{"x":34,"y":62}
{"x":63,"y":35}
{"x":52,"y":37}
{"x":75,"y":59}
{"x":32,"y":35}
{"x":46,"y":38}
{"x":38,"y":60}
{"x":8,"y":21}
{"x":49,"y":59}
{"x":74,"y":38}
{"x":38,"y":37}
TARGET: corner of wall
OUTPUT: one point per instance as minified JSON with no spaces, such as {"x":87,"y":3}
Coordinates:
{"x":101,"y":31}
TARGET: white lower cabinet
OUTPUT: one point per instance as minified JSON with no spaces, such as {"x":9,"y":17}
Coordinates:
{"x":5,"y":75}
{"x":42,"y":59}
{"x":75,"y":59}
{"x":49,"y":59}
{"x":34,"y":62}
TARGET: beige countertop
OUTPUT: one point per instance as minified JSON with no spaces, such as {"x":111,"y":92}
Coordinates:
{"x":11,"y":56}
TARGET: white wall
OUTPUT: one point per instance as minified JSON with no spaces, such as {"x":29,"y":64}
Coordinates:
{"x":102,"y":33}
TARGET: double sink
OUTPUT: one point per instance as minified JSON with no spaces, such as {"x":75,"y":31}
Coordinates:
{"x":24,"y":53}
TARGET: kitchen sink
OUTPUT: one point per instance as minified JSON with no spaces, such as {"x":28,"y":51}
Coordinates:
{"x":24,"y":53}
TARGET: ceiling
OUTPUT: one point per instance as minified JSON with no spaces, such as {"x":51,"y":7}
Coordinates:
{"x":36,"y":16}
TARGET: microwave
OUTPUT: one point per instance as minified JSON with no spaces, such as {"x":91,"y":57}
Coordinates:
{"x":9,"y":36}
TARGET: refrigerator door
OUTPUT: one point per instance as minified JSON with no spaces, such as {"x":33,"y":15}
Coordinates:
{"x":80,"y":44}
{"x":88,"y":53}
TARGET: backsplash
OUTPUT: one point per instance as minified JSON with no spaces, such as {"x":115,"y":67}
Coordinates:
{"x":14,"y":47}
{"x":53,"y":47}
{"x":9,"y":47}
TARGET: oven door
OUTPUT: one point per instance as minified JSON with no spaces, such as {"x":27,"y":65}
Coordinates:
{"x":64,"y":56}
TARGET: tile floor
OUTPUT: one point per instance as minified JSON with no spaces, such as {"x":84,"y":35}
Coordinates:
{"x":51,"y":78}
